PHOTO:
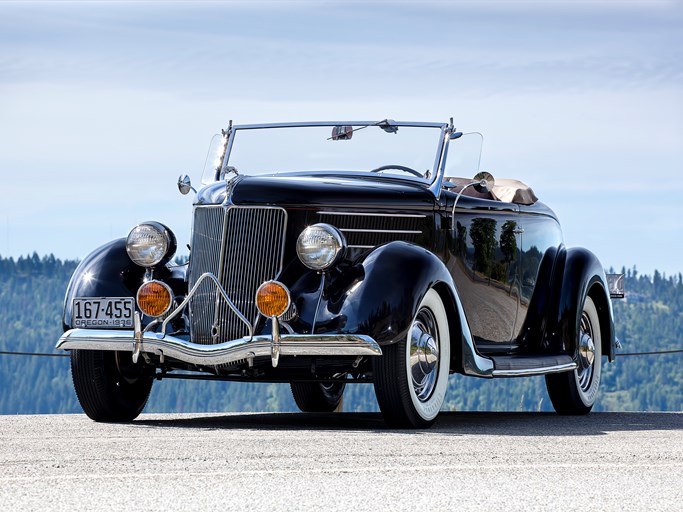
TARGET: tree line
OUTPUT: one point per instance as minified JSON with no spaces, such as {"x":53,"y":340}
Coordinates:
{"x":32,"y":292}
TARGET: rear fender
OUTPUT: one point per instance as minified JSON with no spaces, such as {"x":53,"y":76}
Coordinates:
{"x":581,"y":275}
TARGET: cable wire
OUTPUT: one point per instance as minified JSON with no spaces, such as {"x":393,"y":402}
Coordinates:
{"x":5,"y":353}
{"x":650,"y":353}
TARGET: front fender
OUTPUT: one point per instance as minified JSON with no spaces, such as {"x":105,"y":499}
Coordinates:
{"x":109,"y":272}
{"x":383,"y":298}
{"x":581,"y":275}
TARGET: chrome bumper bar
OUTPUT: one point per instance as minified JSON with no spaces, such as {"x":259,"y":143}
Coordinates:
{"x":240,"y":349}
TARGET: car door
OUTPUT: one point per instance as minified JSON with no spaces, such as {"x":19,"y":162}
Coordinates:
{"x":483,"y":253}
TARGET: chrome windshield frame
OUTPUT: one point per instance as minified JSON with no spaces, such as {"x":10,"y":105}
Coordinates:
{"x":439,"y":160}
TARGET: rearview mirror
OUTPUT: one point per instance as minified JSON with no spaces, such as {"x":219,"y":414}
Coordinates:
{"x":342,"y":132}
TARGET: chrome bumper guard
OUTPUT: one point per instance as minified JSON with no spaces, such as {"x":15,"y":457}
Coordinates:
{"x":164,"y":345}
{"x":242,"y":349}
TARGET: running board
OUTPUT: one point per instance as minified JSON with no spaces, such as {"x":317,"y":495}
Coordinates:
{"x":523,"y":366}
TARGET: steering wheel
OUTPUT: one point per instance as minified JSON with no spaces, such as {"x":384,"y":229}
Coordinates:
{"x":400,"y":168}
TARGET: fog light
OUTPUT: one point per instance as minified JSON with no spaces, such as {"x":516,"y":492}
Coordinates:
{"x":154,"y":298}
{"x":272,"y":299}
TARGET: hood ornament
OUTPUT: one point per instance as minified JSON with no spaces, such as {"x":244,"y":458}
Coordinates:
{"x":230,"y":188}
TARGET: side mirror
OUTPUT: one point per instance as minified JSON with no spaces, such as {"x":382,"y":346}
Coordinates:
{"x":185,"y":184}
{"x":485,"y":181}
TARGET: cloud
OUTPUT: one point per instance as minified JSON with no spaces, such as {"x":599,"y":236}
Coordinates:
{"x":304,"y":53}
{"x":123,"y":97}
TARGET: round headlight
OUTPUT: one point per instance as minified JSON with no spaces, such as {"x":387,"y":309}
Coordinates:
{"x":150,"y":243}
{"x":320,"y":246}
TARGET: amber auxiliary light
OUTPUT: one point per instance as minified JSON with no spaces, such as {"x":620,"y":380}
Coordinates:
{"x":272,"y":299}
{"x":154,"y":298}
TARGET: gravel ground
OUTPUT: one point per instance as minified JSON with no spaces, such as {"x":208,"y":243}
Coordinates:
{"x":345,"y":461}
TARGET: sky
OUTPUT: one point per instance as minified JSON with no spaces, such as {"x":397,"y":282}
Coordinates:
{"x":104,"y":104}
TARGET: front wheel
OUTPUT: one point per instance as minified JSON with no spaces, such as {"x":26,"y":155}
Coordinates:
{"x":575,"y":392}
{"x":109,"y":386}
{"x":411,"y":376}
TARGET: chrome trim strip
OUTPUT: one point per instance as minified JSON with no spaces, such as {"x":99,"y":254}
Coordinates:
{"x":440,"y":163}
{"x":473,"y":363}
{"x":437,"y":185}
{"x":362,"y":246}
{"x":221,"y":233}
{"x":224,"y":353}
{"x":228,"y":150}
{"x":401,"y":215}
{"x":525,"y":372}
{"x":333,"y":123}
{"x":392,"y":231}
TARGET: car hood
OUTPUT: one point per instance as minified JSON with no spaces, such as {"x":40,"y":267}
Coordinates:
{"x":303,"y":191}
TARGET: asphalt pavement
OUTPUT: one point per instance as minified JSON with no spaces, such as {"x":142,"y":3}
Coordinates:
{"x":343,"y":461}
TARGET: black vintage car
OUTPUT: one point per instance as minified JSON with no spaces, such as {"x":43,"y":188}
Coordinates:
{"x":324,"y":254}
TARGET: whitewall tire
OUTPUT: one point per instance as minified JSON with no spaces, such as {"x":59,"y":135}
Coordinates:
{"x":411,"y":376}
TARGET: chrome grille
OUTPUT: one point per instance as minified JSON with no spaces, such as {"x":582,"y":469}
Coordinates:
{"x":244,"y":247}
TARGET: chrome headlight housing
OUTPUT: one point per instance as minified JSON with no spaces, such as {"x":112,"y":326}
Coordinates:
{"x":320,"y":246}
{"x":150,"y":243}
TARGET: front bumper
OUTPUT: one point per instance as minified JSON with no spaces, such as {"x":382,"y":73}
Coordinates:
{"x":233,"y":351}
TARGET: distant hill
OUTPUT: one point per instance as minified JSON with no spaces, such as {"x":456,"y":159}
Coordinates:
{"x":32,"y":291}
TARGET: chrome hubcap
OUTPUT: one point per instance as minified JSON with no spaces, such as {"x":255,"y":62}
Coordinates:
{"x":424,"y":354}
{"x":586,"y":353}
{"x":586,"y":349}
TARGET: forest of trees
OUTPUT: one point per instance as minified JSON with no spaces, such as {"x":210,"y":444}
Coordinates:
{"x":32,"y":292}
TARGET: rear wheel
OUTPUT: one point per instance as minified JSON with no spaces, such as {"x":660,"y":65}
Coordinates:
{"x":109,"y":386}
{"x":318,"y":396}
{"x":575,"y":392}
{"x":411,"y":376}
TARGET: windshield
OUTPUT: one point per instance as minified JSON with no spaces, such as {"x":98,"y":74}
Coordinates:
{"x":408,"y":150}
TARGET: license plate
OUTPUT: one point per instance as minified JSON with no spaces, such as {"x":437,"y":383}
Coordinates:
{"x":103,"y":312}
